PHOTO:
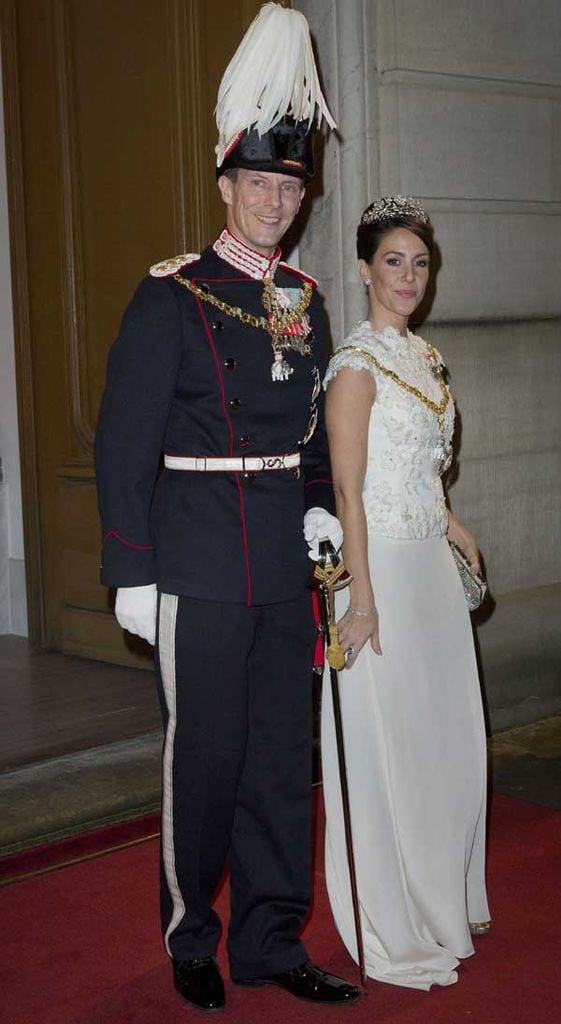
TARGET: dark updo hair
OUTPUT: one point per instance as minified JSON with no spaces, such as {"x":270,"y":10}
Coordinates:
{"x":369,"y":236}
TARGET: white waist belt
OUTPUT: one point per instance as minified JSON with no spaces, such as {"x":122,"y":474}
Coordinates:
{"x":243,"y":464}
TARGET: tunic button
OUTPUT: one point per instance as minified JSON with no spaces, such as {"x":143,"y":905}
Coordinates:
{"x":230,"y":364}
{"x":250,"y":477}
{"x":235,"y":403}
{"x":218,"y":325}
{"x":244,"y":441}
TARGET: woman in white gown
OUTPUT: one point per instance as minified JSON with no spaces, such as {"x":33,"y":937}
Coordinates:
{"x":412,"y":713}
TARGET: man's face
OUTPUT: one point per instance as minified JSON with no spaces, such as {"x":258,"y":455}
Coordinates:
{"x":260,"y":206}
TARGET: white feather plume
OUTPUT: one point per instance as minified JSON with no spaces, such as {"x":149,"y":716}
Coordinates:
{"x":272,"y":73}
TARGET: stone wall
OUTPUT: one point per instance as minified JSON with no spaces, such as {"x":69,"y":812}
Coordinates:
{"x":459,"y":103}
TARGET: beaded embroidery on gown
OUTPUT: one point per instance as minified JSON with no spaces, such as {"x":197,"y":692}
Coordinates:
{"x":413,"y":718}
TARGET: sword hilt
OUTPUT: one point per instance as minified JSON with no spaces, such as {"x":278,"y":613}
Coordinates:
{"x":330,"y":569}
{"x":331,"y":575}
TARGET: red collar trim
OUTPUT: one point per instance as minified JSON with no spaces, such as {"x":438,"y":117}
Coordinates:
{"x":240,"y":256}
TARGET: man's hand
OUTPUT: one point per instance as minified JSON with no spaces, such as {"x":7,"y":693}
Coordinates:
{"x":135,"y":610}
{"x":321,"y":525}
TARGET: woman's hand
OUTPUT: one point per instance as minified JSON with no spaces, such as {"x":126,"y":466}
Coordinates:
{"x":355,"y":631}
{"x":460,"y":535}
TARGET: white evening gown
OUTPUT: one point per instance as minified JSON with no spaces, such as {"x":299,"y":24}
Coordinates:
{"x":413,"y":719}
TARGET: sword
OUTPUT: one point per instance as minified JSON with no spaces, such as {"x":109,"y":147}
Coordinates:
{"x":331,"y":575}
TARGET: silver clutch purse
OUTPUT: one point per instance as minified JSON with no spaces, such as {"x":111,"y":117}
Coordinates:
{"x":474,"y":586}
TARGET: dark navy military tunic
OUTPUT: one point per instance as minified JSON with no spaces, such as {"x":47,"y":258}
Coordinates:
{"x":185,"y":378}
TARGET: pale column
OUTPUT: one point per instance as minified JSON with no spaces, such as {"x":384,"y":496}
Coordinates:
{"x":344,"y":36}
{"x":13,"y":606}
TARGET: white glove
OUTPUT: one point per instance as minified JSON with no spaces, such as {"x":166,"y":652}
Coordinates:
{"x":321,"y":525}
{"x":135,"y":610}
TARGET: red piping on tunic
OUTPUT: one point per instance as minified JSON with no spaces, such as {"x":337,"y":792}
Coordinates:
{"x":298,"y":273}
{"x":129,"y":543}
{"x":219,"y":374}
{"x":231,"y":433}
{"x":319,"y":655}
{"x":225,"y":280}
{"x":243,"y":279}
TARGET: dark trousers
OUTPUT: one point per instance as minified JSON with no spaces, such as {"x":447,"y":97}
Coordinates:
{"x":235,"y":686}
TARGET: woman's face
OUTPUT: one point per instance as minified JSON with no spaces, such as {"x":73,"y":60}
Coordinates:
{"x":398,"y":275}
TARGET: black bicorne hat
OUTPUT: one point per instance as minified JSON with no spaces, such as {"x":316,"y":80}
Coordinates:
{"x":270,"y":100}
{"x":286,"y":149}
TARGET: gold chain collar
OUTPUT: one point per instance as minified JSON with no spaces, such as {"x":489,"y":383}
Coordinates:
{"x":275,"y":323}
{"x":439,"y":408}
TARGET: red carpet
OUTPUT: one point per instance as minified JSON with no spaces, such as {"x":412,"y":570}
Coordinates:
{"x":81,"y":945}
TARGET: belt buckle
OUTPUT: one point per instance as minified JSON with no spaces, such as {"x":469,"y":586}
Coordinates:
{"x":201,"y":463}
{"x":274,"y":462}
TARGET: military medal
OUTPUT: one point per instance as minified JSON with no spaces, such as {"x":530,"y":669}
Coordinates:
{"x":442,"y":452}
{"x":289,"y":327}
{"x":435,"y":365}
{"x":281,"y":370}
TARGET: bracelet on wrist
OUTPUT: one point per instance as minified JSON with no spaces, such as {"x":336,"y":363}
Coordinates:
{"x":362,"y":612}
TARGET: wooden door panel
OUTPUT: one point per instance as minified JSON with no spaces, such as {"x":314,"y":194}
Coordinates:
{"x":110,"y":138}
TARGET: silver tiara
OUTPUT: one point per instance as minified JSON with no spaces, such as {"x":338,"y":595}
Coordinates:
{"x":394,"y":206}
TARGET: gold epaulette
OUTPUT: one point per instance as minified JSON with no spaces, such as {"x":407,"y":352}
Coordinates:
{"x":174,"y":264}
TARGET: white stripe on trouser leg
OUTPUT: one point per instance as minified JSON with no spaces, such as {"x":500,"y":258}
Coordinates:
{"x":166,"y":639}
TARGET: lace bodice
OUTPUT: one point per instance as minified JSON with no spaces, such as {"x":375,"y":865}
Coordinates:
{"x":403,"y":494}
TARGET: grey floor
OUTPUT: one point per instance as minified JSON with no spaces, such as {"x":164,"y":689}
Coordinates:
{"x":81,"y":747}
{"x":81,"y":744}
{"x":53,"y":705}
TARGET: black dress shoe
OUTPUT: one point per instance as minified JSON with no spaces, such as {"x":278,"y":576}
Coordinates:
{"x":199,"y":982}
{"x":311,"y":983}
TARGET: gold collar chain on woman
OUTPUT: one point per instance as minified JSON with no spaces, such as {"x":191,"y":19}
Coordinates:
{"x":439,"y":408}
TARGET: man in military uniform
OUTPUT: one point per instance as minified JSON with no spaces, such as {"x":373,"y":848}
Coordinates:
{"x":218,"y":367}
